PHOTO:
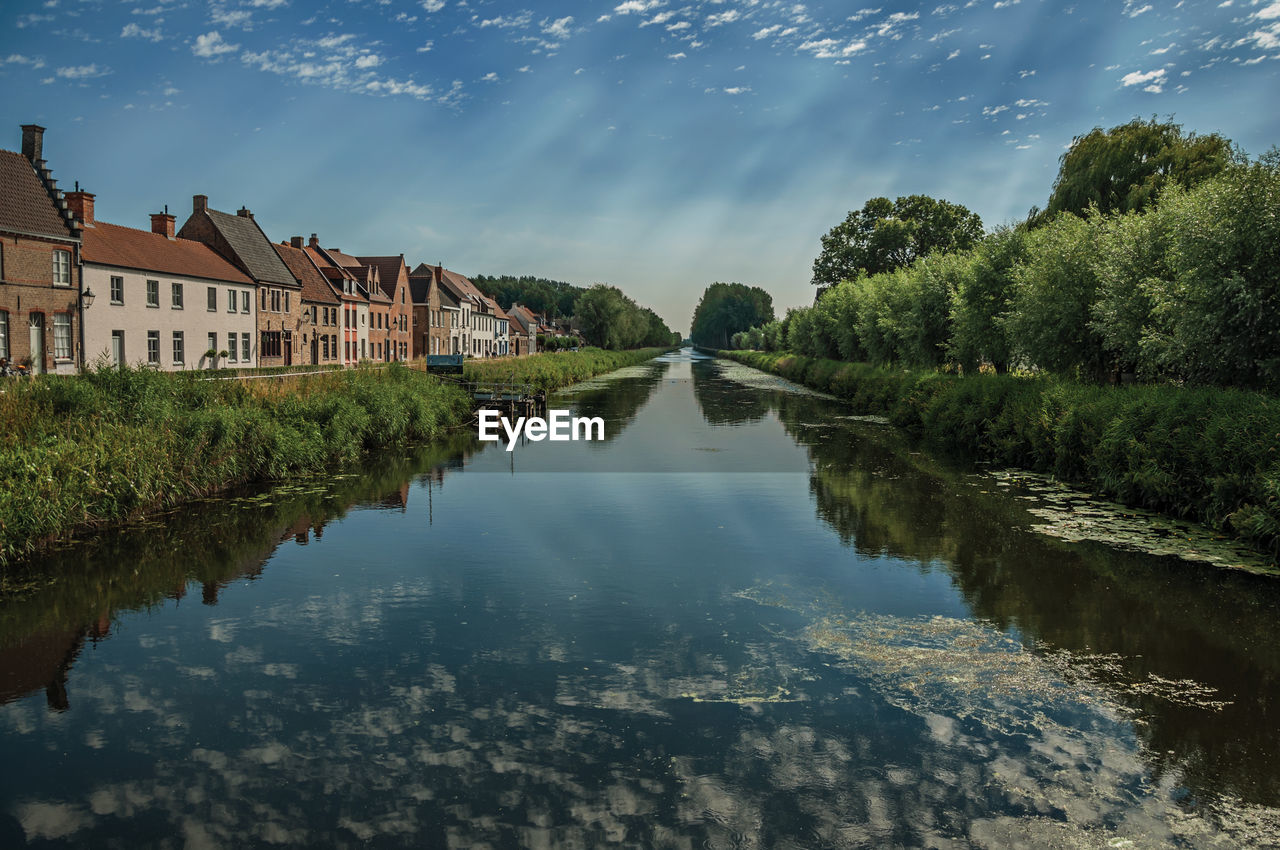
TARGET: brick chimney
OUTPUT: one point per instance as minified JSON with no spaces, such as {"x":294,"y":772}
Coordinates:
{"x":199,"y":203}
{"x":313,"y":242}
{"x":33,"y":143}
{"x":438,"y":273}
{"x":162,"y":223}
{"x":81,"y":206}
{"x":243,"y":212}
{"x":296,"y":241}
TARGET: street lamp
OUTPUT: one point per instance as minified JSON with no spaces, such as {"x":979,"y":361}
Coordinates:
{"x":87,"y":298}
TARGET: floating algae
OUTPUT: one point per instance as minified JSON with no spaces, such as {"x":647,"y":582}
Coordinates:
{"x":751,"y":377}
{"x":1076,"y":516}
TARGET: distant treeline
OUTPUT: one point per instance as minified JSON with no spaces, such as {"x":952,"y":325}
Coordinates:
{"x":604,"y":315}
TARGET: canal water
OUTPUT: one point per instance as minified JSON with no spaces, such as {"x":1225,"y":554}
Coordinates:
{"x":745,"y":619}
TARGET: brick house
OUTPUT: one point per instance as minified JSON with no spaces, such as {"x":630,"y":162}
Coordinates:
{"x":40,"y":285}
{"x":393,"y":279}
{"x":321,"y":306}
{"x":430,"y":321}
{"x":524,"y":330}
{"x":240,"y":240}
{"x":352,"y":288}
{"x":159,"y":300}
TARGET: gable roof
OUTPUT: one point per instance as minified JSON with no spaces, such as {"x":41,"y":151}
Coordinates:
{"x":25,"y":204}
{"x":314,"y":286}
{"x":390,"y":271}
{"x":128,"y":248}
{"x":252,"y":248}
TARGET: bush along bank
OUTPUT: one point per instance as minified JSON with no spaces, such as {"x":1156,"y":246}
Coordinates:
{"x":1207,"y":454}
{"x":101,"y":447}
{"x":553,"y":370}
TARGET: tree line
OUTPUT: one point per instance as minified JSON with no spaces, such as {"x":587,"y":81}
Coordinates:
{"x":1157,"y":255}
{"x":604,"y":315}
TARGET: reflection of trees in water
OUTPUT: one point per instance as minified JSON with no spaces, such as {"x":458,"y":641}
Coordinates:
{"x":724,"y":402}
{"x":1162,"y":617}
{"x":618,"y":400}
{"x":79,"y":590}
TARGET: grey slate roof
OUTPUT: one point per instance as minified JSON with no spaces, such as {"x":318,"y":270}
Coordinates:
{"x":252,"y":247}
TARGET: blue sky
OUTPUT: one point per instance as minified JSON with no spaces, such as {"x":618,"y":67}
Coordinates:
{"x":655,"y":145}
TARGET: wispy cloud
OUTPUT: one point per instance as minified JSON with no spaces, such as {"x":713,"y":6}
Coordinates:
{"x":132,"y":30}
{"x":210,"y":46}
{"x":1154,"y":80}
{"x":82,"y":72}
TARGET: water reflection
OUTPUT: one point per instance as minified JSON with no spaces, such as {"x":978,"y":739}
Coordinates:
{"x":870,"y":649}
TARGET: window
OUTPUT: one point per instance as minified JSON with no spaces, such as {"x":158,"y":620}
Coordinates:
{"x":4,"y":334}
{"x":270,"y":345}
{"x":245,"y":354}
{"x":153,"y":347}
{"x":324,"y":347}
{"x":286,"y":302}
{"x":61,"y":268}
{"x":275,"y":301}
{"x":244,"y":301}
{"x":179,"y":348}
{"x":117,"y":290}
{"x":264,"y":299}
{"x":213,"y":346}
{"x":231,"y":302}
{"x":62,"y":336}
{"x":213,"y":300}
{"x":153,"y":293}
{"x":232,"y":347}
{"x":177,"y":295}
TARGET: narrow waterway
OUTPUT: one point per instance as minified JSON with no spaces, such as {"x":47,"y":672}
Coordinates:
{"x":745,"y":619}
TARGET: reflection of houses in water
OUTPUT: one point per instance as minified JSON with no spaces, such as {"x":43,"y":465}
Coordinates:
{"x":397,"y":499}
{"x":42,"y":660}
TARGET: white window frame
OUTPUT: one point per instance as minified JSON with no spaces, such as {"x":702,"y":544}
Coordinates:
{"x":62,"y":346}
{"x":61,"y":267}
{"x":177,"y":295}
{"x":179,"y":348}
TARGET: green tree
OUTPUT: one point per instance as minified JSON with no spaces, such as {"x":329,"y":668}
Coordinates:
{"x":1124,"y":169}
{"x":726,"y":309}
{"x":982,"y":297}
{"x":885,"y":235}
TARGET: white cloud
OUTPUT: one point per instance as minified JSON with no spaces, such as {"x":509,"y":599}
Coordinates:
{"x":723,"y":18}
{"x":675,"y":56}
{"x":1000,"y":4}
{"x":660,"y":18}
{"x":135,"y":31}
{"x":994,"y":110}
{"x":432,"y":6}
{"x":863,"y":13}
{"x":559,"y":28}
{"x":504,"y":22}
{"x":491,"y":77}
{"x":19,"y":59}
{"x":426,"y":48}
{"x":237,"y":18}
{"x":268,"y":4}
{"x":1155,"y":78}
{"x":368,"y":60}
{"x":637,"y":7}
{"x":766,"y":32}
{"x":210,"y":45}
{"x":1136,"y":12}
{"x":82,"y":72}
{"x":1268,"y":12}
{"x":952,"y":55}
{"x":678,"y":26}
{"x":738,"y":90}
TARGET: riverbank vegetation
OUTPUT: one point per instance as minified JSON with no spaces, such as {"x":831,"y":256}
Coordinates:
{"x":553,"y":370}
{"x":1203,"y":453}
{"x":102,"y":447}
{"x":726,"y":309}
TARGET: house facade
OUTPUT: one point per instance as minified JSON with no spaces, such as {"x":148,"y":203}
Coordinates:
{"x":346,"y":274}
{"x":40,"y":285}
{"x":162,"y":301}
{"x":321,"y":306}
{"x":524,"y":330}
{"x":240,"y":240}
{"x":393,"y":281}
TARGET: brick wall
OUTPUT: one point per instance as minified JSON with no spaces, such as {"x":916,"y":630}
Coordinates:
{"x":26,"y":268}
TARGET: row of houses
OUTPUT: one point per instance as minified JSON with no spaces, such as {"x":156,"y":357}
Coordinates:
{"x":216,"y":292}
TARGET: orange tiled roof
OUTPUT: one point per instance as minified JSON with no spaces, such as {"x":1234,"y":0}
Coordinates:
{"x":127,"y":248}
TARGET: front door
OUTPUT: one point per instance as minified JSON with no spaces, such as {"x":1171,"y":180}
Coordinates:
{"x":117,"y":348}
{"x":37,"y":343}
{"x":315,"y":349}
{"x":287,"y":341}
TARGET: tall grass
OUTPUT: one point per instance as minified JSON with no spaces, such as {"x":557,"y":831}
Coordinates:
{"x":101,"y":447}
{"x":1208,"y":454}
{"x":556,"y":369}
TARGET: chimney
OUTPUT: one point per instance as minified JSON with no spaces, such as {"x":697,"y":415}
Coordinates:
{"x":81,"y":206}
{"x":162,"y":223}
{"x":199,"y":203}
{"x":296,"y":241}
{"x":33,"y":143}
{"x":438,"y":273}
{"x":243,"y":212}
{"x":313,"y":242}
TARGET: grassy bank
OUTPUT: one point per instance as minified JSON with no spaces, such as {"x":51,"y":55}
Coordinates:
{"x":1212,"y":455}
{"x":99,"y":448}
{"x":557,"y":369}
